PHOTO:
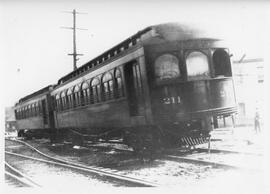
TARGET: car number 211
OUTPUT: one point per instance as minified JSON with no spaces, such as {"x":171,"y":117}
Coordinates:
{"x":171,"y":100}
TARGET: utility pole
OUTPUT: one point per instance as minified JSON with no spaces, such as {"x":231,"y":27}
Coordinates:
{"x":74,"y":28}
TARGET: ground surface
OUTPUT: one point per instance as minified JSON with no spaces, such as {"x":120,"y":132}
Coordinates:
{"x":173,"y":174}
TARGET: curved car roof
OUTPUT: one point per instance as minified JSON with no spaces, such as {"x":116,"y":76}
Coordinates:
{"x":150,"y":35}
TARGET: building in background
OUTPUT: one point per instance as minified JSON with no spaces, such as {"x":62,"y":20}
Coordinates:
{"x":10,"y":121}
{"x":249,"y":87}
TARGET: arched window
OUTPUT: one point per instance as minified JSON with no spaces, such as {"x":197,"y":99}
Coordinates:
{"x":16,"y":114}
{"x":118,"y":84}
{"x":69,"y":98}
{"x":23,"y":113}
{"x":63,"y":100}
{"x":85,"y":93}
{"x":37,"y":109}
{"x":19,"y":113}
{"x":58,"y":103}
{"x":33,"y":110}
{"x":41,"y":107}
{"x":76,"y":96}
{"x":28,"y":111}
{"x":197,"y":66}
{"x":95,"y":91}
{"x":107,"y":86}
{"x":222,"y":63}
{"x":167,"y":67}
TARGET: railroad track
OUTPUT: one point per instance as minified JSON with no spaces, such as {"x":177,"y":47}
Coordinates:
{"x":88,"y":169}
{"x":227,"y":151}
{"x":18,"y":178}
{"x":197,"y":161}
{"x":183,"y":157}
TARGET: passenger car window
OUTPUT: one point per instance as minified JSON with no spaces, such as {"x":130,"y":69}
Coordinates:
{"x":95,"y":90}
{"x":166,"y":67}
{"x":197,"y":66}
{"x":58,"y":103}
{"x":85,"y":93}
{"x":63,"y":100}
{"x":107,"y":86}
{"x":69,"y":98}
{"x":118,"y":84}
{"x":76,"y":96}
{"x":222,"y":63}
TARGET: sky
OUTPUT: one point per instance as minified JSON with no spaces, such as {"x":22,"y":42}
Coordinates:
{"x":34,"y":47}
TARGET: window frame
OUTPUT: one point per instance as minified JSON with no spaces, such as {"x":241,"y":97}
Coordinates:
{"x":85,"y":93}
{"x":179,"y":65}
{"x":201,"y":77}
{"x":28,"y":110}
{"x":119,"y":91}
{"x":95,"y":91}
{"x":228,"y":71}
{"x":57,"y":100}
{"x":32,"y":110}
{"x":63,"y":100}
{"x":76,"y":96}
{"x":41,"y":108}
{"x":69,"y":97}
{"x":107,"y":86}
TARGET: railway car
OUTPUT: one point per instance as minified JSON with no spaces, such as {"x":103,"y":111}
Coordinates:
{"x":163,"y":84}
{"x":34,"y":114}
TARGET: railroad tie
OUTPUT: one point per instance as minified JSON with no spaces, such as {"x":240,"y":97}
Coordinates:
{"x":185,"y":141}
{"x":197,"y":140}
{"x":189,"y":141}
{"x":193,"y":141}
{"x":182,"y":140}
{"x":200,"y":140}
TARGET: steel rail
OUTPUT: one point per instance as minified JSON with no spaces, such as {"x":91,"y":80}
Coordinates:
{"x":227,"y":151}
{"x":91,"y":170}
{"x":21,"y":177}
{"x":97,"y":170}
{"x":207,"y":162}
{"x":216,"y":164}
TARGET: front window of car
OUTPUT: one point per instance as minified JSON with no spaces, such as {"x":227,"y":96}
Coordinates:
{"x":222,"y":63}
{"x":197,"y":66}
{"x":167,"y":67}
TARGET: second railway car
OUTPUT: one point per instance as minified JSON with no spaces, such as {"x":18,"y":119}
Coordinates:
{"x":34,"y":114}
{"x":164,"y":84}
